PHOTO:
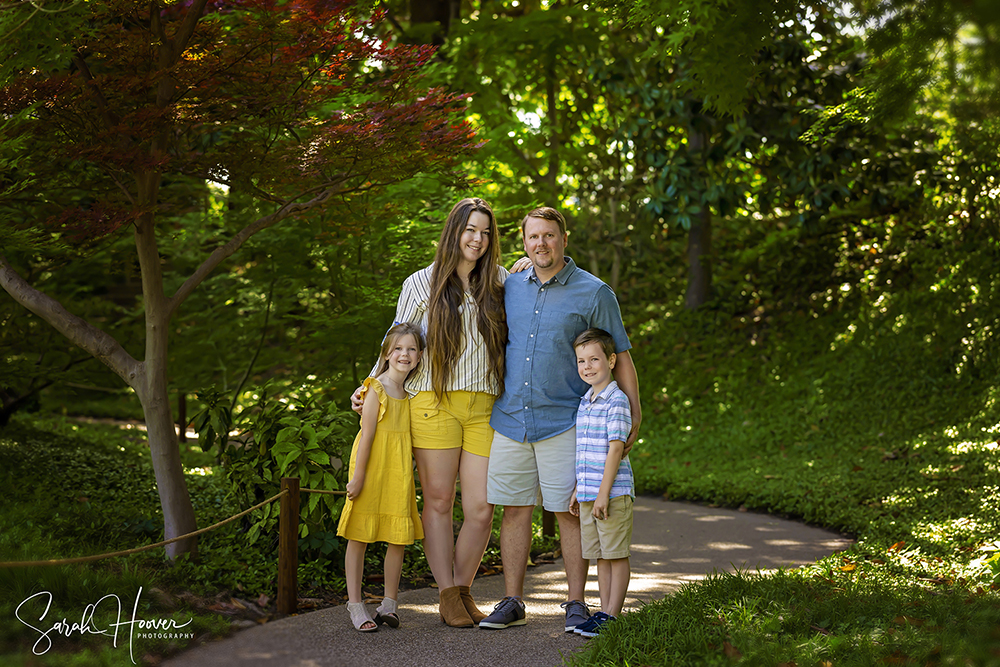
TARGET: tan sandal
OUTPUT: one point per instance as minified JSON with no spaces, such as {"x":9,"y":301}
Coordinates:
{"x":360,"y":617}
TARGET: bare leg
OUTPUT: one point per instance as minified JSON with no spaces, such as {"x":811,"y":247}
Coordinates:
{"x":438,"y":470}
{"x":354,"y":568}
{"x":621,"y":572}
{"x":393,"y":568}
{"x":604,"y":578}
{"x":572,"y":553}
{"x":475,"y":532}
{"x":515,"y":543}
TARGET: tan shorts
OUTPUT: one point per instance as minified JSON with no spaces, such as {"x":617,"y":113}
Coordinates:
{"x":519,"y":470}
{"x":610,"y":538}
{"x":462,"y":419}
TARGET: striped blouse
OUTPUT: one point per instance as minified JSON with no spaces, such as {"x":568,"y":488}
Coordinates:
{"x":470,"y":371}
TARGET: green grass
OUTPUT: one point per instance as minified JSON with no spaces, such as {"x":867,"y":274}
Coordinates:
{"x":77,"y":489}
{"x":883,"y":429}
{"x":845,"y":404}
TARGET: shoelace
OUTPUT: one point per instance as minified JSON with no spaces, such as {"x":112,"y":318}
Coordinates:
{"x":505,"y":604}
{"x":575,"y":605}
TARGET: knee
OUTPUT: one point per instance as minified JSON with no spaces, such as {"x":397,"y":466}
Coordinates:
{"x":478,"y":514}
{"x":438,"y":501}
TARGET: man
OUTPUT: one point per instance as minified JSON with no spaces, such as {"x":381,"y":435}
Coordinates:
{"x":535,"y":443}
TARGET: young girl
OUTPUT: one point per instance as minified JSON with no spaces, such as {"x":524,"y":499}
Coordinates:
{"x":381,"y":500}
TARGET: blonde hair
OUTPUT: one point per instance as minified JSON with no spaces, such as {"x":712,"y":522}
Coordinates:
{"x":546,"y":213}
{"x":395,"y":332}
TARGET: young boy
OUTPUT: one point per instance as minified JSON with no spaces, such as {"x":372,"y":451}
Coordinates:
{"x":604,"y":487}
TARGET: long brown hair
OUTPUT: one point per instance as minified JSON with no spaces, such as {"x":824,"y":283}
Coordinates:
{"x":445,"y":341}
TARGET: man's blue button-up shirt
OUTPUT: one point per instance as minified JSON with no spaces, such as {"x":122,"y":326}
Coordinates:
{"x":542,"y":387}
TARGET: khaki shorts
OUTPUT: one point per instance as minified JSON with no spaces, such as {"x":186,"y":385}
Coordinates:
{"x":610,"y":538}
{"x":462,"y":419}
{"x":518,"y":470}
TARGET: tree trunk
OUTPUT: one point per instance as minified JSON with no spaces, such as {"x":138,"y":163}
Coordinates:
{"x":699,"y":253}
{"x":153,"y":390}
{"x":699,"y":249}
{"x":442,"y":12}
{"x":552,"y":114}
{"x":178,"y":513}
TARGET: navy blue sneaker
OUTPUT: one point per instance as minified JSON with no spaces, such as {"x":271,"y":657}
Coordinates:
{"x":600,"y":620}
{"x":507,"y":612}
{"x":577,"y":614}
{"x":589,"y":624}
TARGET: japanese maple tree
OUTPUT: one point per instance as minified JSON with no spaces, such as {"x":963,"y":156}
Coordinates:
{"x":107,"y":105}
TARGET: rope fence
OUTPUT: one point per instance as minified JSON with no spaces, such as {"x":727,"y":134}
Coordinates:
{"x":127,"y":552}
{"x":288,"y":542}
{"x":148,"y":547}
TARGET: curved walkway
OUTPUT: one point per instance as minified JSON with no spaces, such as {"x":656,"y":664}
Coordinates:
{"x":673,"y":543}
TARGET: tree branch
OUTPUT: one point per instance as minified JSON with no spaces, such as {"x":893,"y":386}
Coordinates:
{"x":184,"y":32}
{"x":224,"y":251}
{"x":110,"y":118}
{"x":80,"y":332}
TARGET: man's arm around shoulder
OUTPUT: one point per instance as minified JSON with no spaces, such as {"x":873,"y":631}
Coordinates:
{"x":628,"y":381}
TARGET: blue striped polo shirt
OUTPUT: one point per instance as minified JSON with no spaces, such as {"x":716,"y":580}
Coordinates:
{"x":600,"y":420}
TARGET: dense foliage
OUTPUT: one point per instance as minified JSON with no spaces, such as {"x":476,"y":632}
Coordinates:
{"x":799,"y":216}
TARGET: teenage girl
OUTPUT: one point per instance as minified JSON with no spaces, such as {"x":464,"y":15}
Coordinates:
{"x":381,"y":500}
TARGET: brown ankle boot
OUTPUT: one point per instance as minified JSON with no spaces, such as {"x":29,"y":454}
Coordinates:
{"x":470,"y":605}
{"x":452,"y":610}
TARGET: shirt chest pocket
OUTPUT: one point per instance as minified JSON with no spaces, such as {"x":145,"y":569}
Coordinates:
{"x":558,"y":325}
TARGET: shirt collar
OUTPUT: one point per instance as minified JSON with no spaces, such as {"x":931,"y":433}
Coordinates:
{"x":603,"y":395}
{"x":562,"y":277}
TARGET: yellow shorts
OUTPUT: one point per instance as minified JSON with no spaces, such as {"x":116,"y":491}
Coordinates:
{"x":462,"y":419}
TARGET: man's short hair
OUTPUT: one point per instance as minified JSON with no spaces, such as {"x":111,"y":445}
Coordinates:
{"x":546,"y":213}
{"x":595,"y":335}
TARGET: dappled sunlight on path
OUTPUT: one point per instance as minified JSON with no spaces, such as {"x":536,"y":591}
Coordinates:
{"x":673,"y":544}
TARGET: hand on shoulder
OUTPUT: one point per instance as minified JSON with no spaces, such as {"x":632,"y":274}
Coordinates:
{"x":522,"y":264}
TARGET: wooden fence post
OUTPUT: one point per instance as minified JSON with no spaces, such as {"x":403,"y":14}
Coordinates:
{"x":288,"y":547}
{"x":548,"y":523}
{"x":182,"y":416}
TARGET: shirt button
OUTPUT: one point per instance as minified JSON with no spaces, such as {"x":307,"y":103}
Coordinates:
{"x":525,"y":384}
{"x":527,"y":358}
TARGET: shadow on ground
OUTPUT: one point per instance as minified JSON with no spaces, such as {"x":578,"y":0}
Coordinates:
{"x":673,"y":544}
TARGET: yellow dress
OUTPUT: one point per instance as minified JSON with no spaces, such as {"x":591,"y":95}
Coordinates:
{"x":386,"y":509}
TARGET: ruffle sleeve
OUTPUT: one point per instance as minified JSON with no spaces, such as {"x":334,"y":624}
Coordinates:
{"x":376,"y":386}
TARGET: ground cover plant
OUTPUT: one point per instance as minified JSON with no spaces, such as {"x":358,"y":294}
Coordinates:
{"x":75,"y":490}
{"x":76,"y":487}
{"x":859,"y":406}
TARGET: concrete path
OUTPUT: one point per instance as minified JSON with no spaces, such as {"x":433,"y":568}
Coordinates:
{"x":673,"y":543}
